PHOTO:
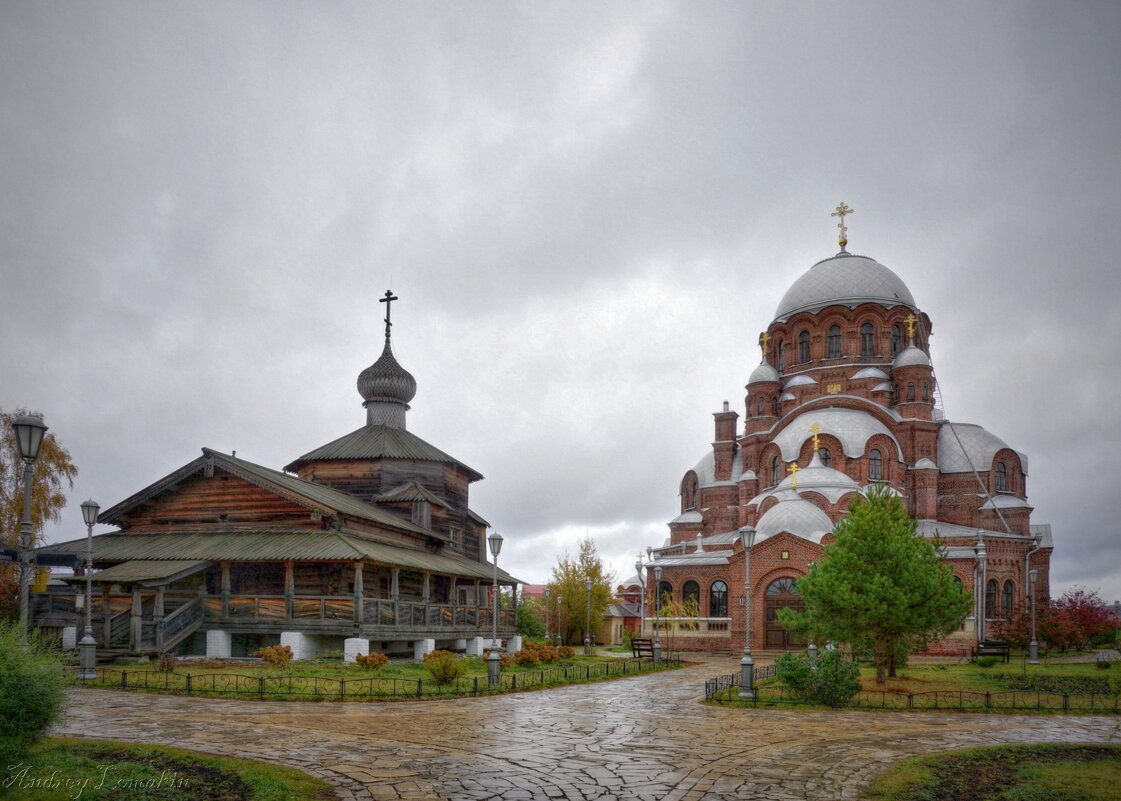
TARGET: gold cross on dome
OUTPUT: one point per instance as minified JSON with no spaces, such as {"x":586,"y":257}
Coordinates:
{"x":841,"y":211}
{"x":816,"y":429}
{"x":910,"y":320}
{"x":793,"y":470}
{"x":765,"y":341}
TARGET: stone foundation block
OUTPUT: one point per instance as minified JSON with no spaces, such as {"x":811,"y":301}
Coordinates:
{"x":352,"y":646}
{"x":422,"y":647}
{"x":69,"y":637}
{"x":304,"y":646}
{"x":219,"y":644}
{"x":475,"y":646}
{"x":514,"y":644}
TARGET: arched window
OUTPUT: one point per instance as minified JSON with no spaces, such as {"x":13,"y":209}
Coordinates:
{"x":911,"y":391}
{"x":834,"y":342}
{"x":1006,"y":598}
{"x":804,"y":347}
{"x":875,"y":466}
{"x":691,"y":591}
{"x":776,"y":471}
{"x":896,"y":340}
{"x":762,"y":406}
{"x":665,"y":593}
{"x":990,"y":598}
{"x":1001,"y":477}
{"x":774,"y":407}
{"x":825,"y":456}
{"x":926,"y":391}
{"x":784,"y":586}
{"x":718,"y":599}
{"x":690,"y":492}
{"x":780,"y":356}
{"x":867,"y":340}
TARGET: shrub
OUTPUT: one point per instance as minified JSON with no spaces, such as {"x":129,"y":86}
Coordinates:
{"x":444,"y":666}
{"x":987,"y":661}
{"x":833,"y":682}
{"x":371,"y":661}
{"x":32,"y":691}
{"x":276,"y":655}
{"x":566,"y":652}
{"x":549,"y":653}
{"x":1103,"y":664}
{"x":504,"y":662}
{"x":166,"y":662}
{"x":526,"y":658}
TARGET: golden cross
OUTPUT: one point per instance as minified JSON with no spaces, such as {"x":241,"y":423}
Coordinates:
{"x":816,"y":429}
{"x":793,"y":470}
{"x":841,"y":211}
{"x":910,"y":320}
{"x":765,"y":341}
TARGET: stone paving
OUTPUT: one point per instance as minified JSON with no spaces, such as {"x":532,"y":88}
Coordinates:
{"x":644,"y":738}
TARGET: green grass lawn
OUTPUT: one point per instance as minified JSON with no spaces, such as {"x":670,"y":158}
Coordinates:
{"x":1023,"y":686}
{"x":333,"y":680}
{"x":1005,"y":773}
{"x":66,"y":769}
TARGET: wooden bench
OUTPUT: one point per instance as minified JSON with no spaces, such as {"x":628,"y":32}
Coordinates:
{"x":993,"y":648}
{"x":642,"y":648}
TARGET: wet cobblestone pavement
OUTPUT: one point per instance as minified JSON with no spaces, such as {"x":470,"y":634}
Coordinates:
{"x":645,"y":738}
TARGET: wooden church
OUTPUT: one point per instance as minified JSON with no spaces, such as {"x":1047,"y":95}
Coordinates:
{"x":367,"y":543}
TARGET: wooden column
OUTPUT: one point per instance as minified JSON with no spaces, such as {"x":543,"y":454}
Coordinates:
{"x":426,"y":592}
{"x":225,"y":589}
{"x":137,"y":618}
{"x":157,"y":616}
{"x":289,"y":588}
{"x":394,"y":594}
{"x":107,"y":613}
{"x":358,"y":592}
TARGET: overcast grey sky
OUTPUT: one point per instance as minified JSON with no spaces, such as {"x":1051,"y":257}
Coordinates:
{"x":589,"y":212}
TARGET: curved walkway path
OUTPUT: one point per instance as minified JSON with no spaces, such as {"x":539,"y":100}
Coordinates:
{"x":644,"y":738}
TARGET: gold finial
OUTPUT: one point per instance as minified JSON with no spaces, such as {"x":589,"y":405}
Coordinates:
{"x":816,"y":429}
{"x":841,"y":211}
{"x":765,"y":342}
{"x":910,"y":320}
{"x":793,"y":470}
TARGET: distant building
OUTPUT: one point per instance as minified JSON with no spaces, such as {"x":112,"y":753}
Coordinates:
{"x":845,"y":397}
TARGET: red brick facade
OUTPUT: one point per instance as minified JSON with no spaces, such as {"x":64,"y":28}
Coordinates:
{"x":848,"y":358}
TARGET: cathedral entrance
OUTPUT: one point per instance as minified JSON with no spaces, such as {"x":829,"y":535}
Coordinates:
{"x":782,"y":594}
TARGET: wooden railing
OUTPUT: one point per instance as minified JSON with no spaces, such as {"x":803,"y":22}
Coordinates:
{"x":179,"y":624}
{"x":374,"y":611}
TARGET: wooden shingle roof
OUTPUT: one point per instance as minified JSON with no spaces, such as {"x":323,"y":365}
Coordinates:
{"x":380,"y":442}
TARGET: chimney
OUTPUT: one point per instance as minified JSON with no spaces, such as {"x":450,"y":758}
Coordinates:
{"x":700,"y":543}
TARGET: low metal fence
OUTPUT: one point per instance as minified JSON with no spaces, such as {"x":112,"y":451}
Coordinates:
{"x":725,"y":689}
{"x":325,"y":688}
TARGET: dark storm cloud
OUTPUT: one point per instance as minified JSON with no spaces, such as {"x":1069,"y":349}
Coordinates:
{"x":589,"y":212}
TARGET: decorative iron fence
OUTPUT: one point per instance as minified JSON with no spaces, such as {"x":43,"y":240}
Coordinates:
{"x":725,"y":689}
{"x":324,"y":688}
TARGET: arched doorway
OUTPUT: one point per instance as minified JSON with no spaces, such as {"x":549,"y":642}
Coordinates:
{"x":782,"y":594}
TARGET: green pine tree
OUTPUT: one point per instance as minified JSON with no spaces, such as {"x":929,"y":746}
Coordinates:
{"x":880,"y":585}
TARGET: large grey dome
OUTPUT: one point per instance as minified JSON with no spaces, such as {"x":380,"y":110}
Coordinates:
{"x":386,"y":380}
{"x":845,"y":280}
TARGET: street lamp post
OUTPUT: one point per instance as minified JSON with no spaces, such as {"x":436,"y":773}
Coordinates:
{"x":548,"y":597}
{"x":657,"y":632}
{"x":812,"y":649}
{"x":29,"y":432}
{"x":641,"y":606}
{"x":982,"y":589}
{"x":494,"y":660}
{"x":588,"y":620}
{"x":558,"y":619}
{"x":1033,"y":647}
{"x":747,"y":664}
{"x":87,"y":648}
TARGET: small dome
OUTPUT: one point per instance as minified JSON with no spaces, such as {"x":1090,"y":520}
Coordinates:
{"x":797,"y":516}
{"x":386,"y":380}
{"x":844,"y":280}
{"x":883,"y":386}
{"x":910,"y":356}
{"x":800,"y":381}
{"x":871,"y":372}
{"x":764,"y":372}
{"x":833,"y":484}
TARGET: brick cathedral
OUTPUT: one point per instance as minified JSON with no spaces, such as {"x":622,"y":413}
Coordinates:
{"x":845,"y":397}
